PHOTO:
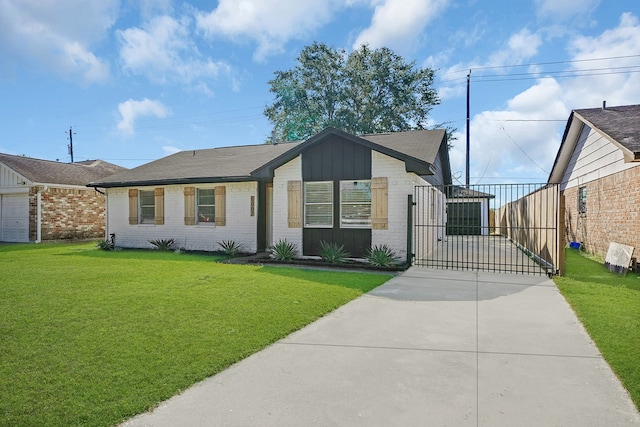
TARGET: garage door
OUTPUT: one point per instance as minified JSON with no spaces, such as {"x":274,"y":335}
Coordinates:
{"x":464,"y":219}
{"x":14,"y":218}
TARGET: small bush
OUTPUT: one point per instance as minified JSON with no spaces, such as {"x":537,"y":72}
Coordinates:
{"x":105,"y":245}
{"x":163,"y":244}
{"x":382,"y":256}
{"x":283,"y":250}
{"x":333,"y":253}
{"x":230,"y":248}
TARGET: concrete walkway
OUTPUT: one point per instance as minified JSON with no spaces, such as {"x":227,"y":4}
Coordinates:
{"x":428,"y":348}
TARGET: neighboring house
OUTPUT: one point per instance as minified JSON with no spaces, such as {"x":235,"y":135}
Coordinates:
{"x":334,"y":187}
{"x":46,"y":200}
{"x":598,"y":169}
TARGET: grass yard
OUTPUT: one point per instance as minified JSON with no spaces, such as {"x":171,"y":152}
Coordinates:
{"x":91,"y":338}
{"x":609,"y":307}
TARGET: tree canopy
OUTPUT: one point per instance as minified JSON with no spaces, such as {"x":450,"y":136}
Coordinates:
{"x":365,"y":91}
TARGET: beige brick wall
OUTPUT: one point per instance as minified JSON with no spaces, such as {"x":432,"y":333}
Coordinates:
{"x":67,"y":213}
{"x":613,"y":213}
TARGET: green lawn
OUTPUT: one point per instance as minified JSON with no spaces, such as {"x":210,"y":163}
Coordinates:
{"x":609,"y":307}
{"x":91,"y":338}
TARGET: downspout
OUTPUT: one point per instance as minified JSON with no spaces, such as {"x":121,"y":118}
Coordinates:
{"x":39,"y":213}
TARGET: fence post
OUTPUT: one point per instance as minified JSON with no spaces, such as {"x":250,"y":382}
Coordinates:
{"x":560,"y":230}
{"x":409,"y":229}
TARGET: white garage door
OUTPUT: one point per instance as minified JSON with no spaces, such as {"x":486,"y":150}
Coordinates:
{"x":14,"y":218}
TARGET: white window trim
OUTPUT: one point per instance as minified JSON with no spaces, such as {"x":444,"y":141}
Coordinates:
{"x":304,"y":204}
{"x":361,"y":226}
{"x":197,"y":211}
{"x":141,"y":219}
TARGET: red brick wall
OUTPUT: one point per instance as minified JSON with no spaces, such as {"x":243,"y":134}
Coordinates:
{"x":67,"y":214}
{"x":613,"y":213}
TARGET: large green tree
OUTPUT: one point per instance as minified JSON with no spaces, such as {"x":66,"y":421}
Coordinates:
{"x":365,"y":91}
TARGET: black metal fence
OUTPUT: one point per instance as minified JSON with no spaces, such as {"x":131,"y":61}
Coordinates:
{"x":488,"y":227}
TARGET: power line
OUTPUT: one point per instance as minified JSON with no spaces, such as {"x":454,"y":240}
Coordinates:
{"x":570,"y":61}
{"x":524,"y":152}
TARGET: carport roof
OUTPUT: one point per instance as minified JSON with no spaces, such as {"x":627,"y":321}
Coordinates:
{"x":50,"y":172}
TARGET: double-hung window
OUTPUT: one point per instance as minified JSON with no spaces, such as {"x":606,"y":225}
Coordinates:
{"x":355,"y":204}
{"x":147,"y":207}
{"x":205,"y":205}
{"x":318,"y":204}
{"x":582,"y":200}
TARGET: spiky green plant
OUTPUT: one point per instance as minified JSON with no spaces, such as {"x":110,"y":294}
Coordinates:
{"x":230,"y":248}
{"x":333,"y":253}
{"x":382,"y":256}
{"x":105,"y":245}
{"x":283,"y":250}
{"x":163,"y":244}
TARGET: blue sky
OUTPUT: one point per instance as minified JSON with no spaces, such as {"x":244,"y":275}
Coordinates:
{"x":139,"y":80}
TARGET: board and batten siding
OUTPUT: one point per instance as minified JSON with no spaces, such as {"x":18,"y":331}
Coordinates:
{"x":593,"y":157}
{"x":239,"y":224}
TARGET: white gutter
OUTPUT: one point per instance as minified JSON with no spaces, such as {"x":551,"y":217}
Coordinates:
{"x":39,"y":213}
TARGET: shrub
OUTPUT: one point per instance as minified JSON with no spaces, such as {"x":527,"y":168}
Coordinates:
{"x":332,"y":252}
{"x":230,"y":248}
{"x":163,"y":244}
{"x":283,"y":250}
{"x":382,"y":256}
{"x":105,"y":245}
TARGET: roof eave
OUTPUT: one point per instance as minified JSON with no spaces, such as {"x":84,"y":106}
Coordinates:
{"x":411,"y":163}
{"x":175,"y":181}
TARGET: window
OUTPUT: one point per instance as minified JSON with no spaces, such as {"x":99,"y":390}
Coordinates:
{"x":147,"y":207}
{"x":318,"y":204}
{"x":206,"y":205}
{"x":582,"y":200}
{"x":355,"y":204}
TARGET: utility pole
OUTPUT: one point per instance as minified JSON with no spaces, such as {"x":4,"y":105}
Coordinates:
{"x":70,"y":146}
{"x":468,"y":123}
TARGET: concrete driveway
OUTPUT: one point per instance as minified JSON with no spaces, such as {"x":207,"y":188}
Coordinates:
{"x":428,"y":348}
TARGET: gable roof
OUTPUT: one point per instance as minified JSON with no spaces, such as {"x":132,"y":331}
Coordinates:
{"x":418,"y":149}
{"x":253,"y":162}
{"x":50,"y":172}
{"x":620,"y":125}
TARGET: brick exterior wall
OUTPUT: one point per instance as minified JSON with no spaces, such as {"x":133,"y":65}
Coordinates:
{"x":240,"y":225}
{"x":612,"y":213}
{"x":67,"y":213}
{"x":291,"y":171}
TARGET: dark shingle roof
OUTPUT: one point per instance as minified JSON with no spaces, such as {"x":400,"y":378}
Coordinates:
{"x":250,"y":162}
{"x":421,"y":144}
{"x":213,"y":164}
{"x":50,"y":172}
{"x":620,"y":123}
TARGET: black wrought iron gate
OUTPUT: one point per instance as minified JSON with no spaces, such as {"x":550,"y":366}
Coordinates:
{"x":488,"y":227}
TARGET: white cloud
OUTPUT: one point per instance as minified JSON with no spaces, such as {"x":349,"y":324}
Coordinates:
{"x":564,"y":9}
{"x":57,"y":34}
{"x":163,"y":51}
{"x":499,"y":137}
{"x":131,"y":110}
{"x":269,"y":23}
{"x":521,"y":47}
{"x":396,"y":23}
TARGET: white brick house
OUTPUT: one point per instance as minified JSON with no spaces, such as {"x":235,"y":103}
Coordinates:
{"x":336,"y":187}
